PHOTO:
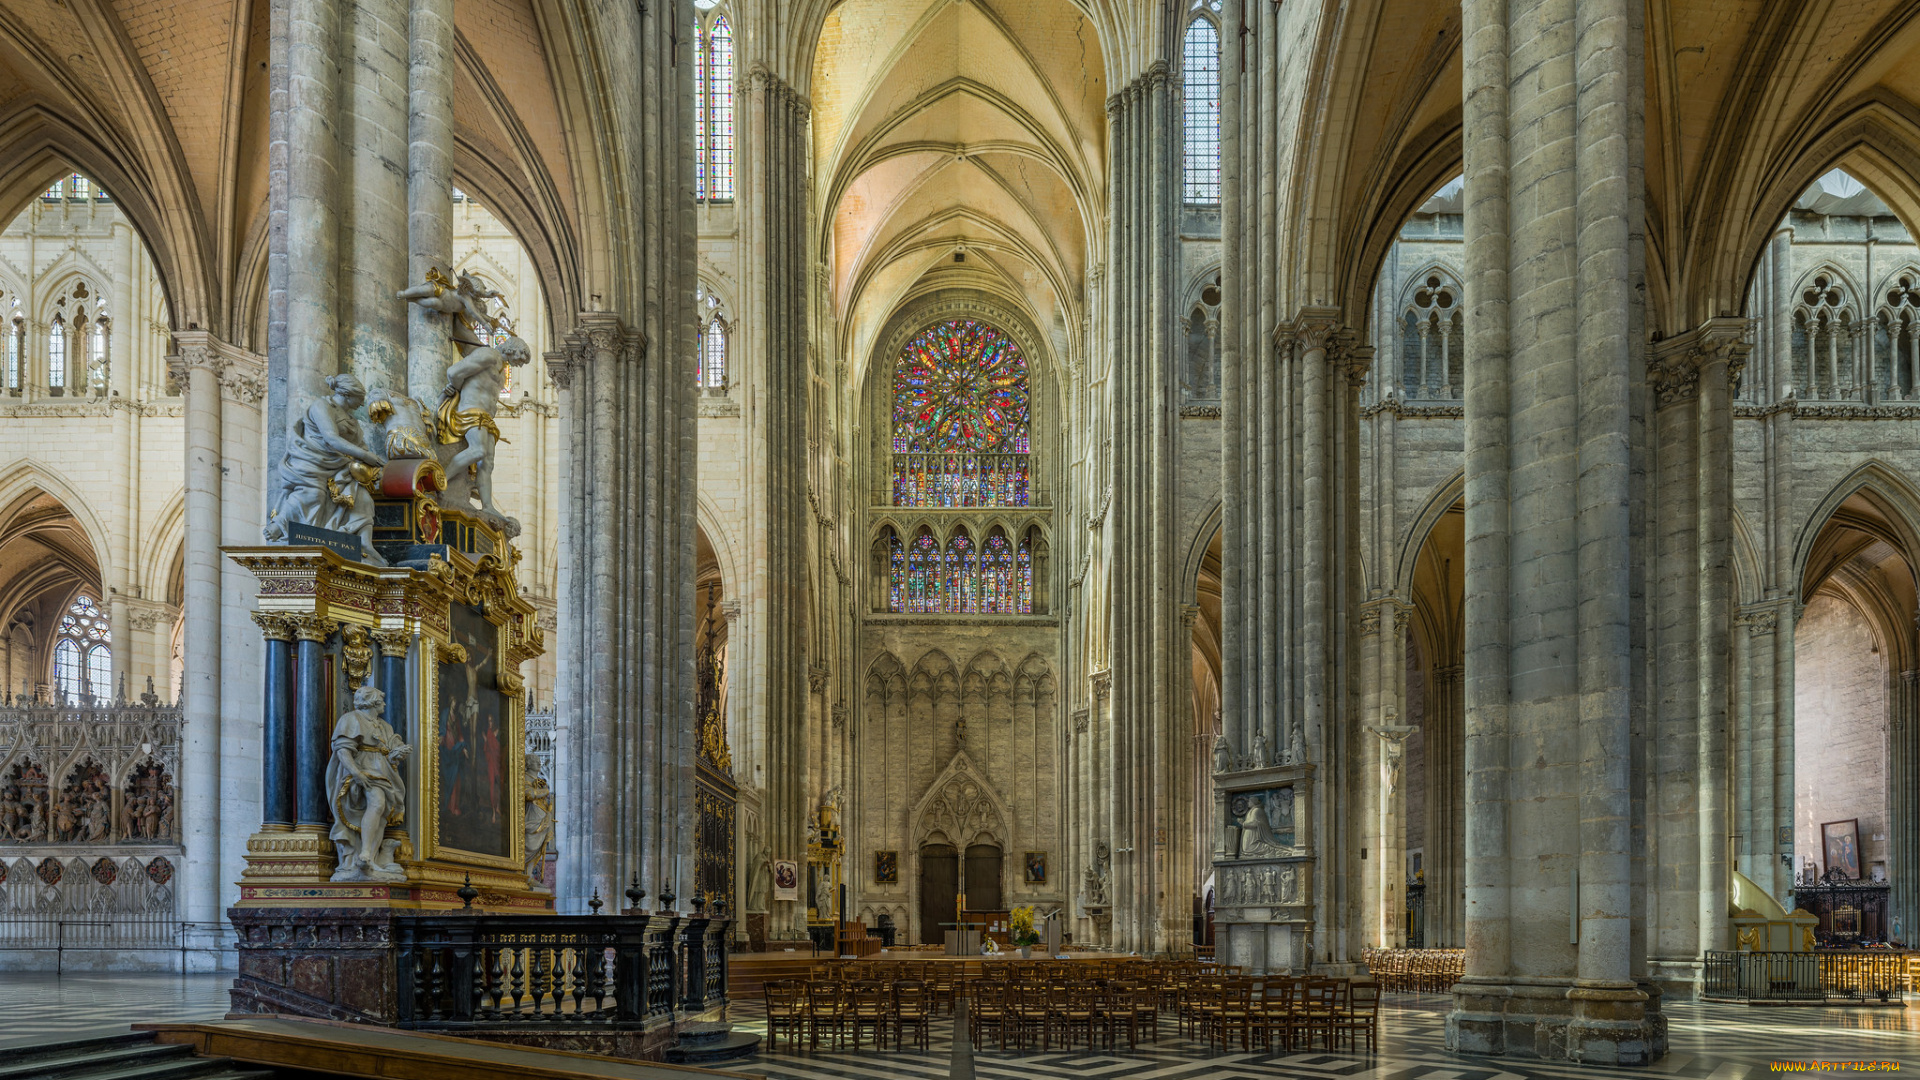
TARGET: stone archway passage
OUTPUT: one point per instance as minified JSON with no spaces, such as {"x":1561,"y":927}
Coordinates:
{"x":939,"y":885}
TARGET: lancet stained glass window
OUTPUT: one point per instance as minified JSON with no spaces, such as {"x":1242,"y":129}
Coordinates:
{"x":959,"y":578}
{"x":82,"y":659}
{"x":960,"y":418}
{"x":1200,"y":78}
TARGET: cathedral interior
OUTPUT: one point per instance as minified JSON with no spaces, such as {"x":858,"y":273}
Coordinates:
{"x":645,"y":505}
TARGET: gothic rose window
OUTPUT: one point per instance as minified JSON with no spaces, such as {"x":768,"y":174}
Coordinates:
{"x":960,"y":418}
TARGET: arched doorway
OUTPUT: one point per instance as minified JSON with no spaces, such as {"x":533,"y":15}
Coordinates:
{"x":1854,"y":710}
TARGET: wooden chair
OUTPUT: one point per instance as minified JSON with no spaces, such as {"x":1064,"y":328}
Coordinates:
{"x":871,"y":1006}
{"x":1277,"y":1011}
{"x":1030,"y":1007}
{"x":1072,"y":1007}
{"x":989,"y":1011}
{"x":786,"y":1011}
{"x":1137,"y":1006}
{"x":1361,"y":1016}
{"x":1318,"y":1005}
{"x":826,"y":1008}
{"x":1234,"y":1012}
{"x":912,"y":1007}
{"x":941,"y":983}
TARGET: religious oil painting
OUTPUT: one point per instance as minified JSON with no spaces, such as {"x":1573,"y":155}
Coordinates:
{"x":1842,"y":842}
{"x":786,"y":879}
{"x":886,"y":867}
{"x":475,"y":741}
{"x":1036,"y":868}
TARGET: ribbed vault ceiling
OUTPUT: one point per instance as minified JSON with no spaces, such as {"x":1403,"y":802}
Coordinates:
{"x":975,"y":126}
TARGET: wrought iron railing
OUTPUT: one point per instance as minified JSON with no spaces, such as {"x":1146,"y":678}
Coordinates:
{"x":542,"y":972}
{"x":1804,"y":976}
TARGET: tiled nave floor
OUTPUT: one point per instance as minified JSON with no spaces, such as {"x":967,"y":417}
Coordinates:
{"x":1709,"y":1042}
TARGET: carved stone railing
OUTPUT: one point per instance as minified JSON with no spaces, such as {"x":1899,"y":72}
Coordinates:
{"x":555,"y":972}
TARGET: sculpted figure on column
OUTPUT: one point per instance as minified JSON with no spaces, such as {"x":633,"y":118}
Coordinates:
{"x":324,"y":477}
{"x":539,"y":823}
{"x":474,"y":383}
{"x":365,"y":790}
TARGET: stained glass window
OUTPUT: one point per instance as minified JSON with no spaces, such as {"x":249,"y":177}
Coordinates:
{"x":997,"y":576}
{"x":57,"y":353}
{"x":924,"y":582}
{"x":1023,"y":576}
{"x":962,"y":569}
{"x":699,"y":119}
{"x":82,"y":659}
{"x":1200,"y":59}
{"x":960,"y":418}
{"x":897,"y":573}
{"x":82,"y":187}
{"x":713,"y":111}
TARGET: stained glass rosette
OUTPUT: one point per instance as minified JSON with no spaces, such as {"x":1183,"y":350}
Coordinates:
{"x":960,"y":387}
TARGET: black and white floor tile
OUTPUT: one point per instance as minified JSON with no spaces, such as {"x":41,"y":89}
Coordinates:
{"x":1708,"y":1042}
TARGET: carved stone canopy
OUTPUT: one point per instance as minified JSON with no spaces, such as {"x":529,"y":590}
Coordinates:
{"x":962,"y":807}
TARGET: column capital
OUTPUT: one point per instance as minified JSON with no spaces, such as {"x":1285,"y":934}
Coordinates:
{"x":1310,"y":328}
{"x":312,"y":627}
{"x":393,"y":642}
{"x":1675,"y":364}
{"x":274,"y":626}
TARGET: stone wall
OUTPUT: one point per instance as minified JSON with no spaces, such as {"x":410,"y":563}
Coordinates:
{"x":1840,"y":760}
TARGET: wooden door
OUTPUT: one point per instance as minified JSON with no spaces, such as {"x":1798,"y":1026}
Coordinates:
{"x":983,"y":878}
{"x":939,"y":884}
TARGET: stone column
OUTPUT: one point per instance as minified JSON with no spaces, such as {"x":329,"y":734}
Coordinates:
{"x":373,"y":201}
{"x":429,"y":132}
{"x":313,"y":180}
{"x":772,"y":372}
{"x":202,"y":882}
{"x":1554,"y":257}
{"x":277,"y":751}
{"x":312,"y":727}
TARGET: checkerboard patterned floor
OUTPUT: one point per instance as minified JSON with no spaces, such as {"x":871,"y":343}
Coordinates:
{"x":1709,"y":1042}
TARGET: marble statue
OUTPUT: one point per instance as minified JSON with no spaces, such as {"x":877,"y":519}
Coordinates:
{"x":1297,"y":747}
{"x":366,"y":793}
{"x":466,"y":413}
{"x":324,"y":476}
{"x":1257,"y":839}
{"x":539,"y":824}
{"x":404,"y":422}
{"x":488,"y":351}
{"x":1260,"y":758}
{"x":1096,"y":888}
{"x":1222,"y":755}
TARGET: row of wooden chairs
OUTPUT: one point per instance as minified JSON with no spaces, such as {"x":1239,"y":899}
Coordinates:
{"x":839,"y":1008}
{"x":1296,"y":1012}
{"x":1019,"y":1008}
{"x":1019,"y":1013}
{"x":1416,"y":971}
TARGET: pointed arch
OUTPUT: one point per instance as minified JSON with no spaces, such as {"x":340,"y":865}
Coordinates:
{"x":1883,"y":486}
{"x":1450,"y":491}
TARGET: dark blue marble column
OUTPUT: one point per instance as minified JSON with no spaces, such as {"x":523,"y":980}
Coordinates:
{"x":393,"y":679}
{"x":276,"y":765}
{"x":313,"y":728}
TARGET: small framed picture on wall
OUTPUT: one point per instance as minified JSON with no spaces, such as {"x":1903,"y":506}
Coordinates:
{"x":1841,"y":839}
{"x":886,"y":867}
{"x":1036,"y":868}
{"x":786,"y":879}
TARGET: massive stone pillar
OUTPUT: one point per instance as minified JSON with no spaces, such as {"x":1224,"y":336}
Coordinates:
{"x":1152,"y":846}
{"x":773,"y":379}
{"x":219,"y":794}
{"x":625,"y":688}
{"x":1554,"y":412}
{"x":1691,"y":377}
{"x":429,"y":194}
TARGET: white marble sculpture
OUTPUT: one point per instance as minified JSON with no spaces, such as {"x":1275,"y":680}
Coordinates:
{"x":474,"y":382}
{"x":1222,"y":755}
{"x":1257,"y":838}
{"x":324,"y":476}
{"x":367,"y":796}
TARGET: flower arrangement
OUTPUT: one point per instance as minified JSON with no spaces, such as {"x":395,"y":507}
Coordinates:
{"x":1020,"y":927}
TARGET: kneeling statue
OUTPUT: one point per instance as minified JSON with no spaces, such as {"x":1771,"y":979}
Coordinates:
{"x":364,"y":786}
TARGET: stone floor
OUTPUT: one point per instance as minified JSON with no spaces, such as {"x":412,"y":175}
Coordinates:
{"x":1709,"y":1042}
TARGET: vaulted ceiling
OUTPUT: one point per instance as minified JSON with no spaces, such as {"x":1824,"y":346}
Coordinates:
{"x":945,"y":128}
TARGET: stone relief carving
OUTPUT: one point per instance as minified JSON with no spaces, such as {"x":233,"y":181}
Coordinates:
{"x":366,"y":793}
{"x":1268,"y":884}
{"x":1265,"y":820}
{"x":147,"y":814}
{"x":83,"y":813}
